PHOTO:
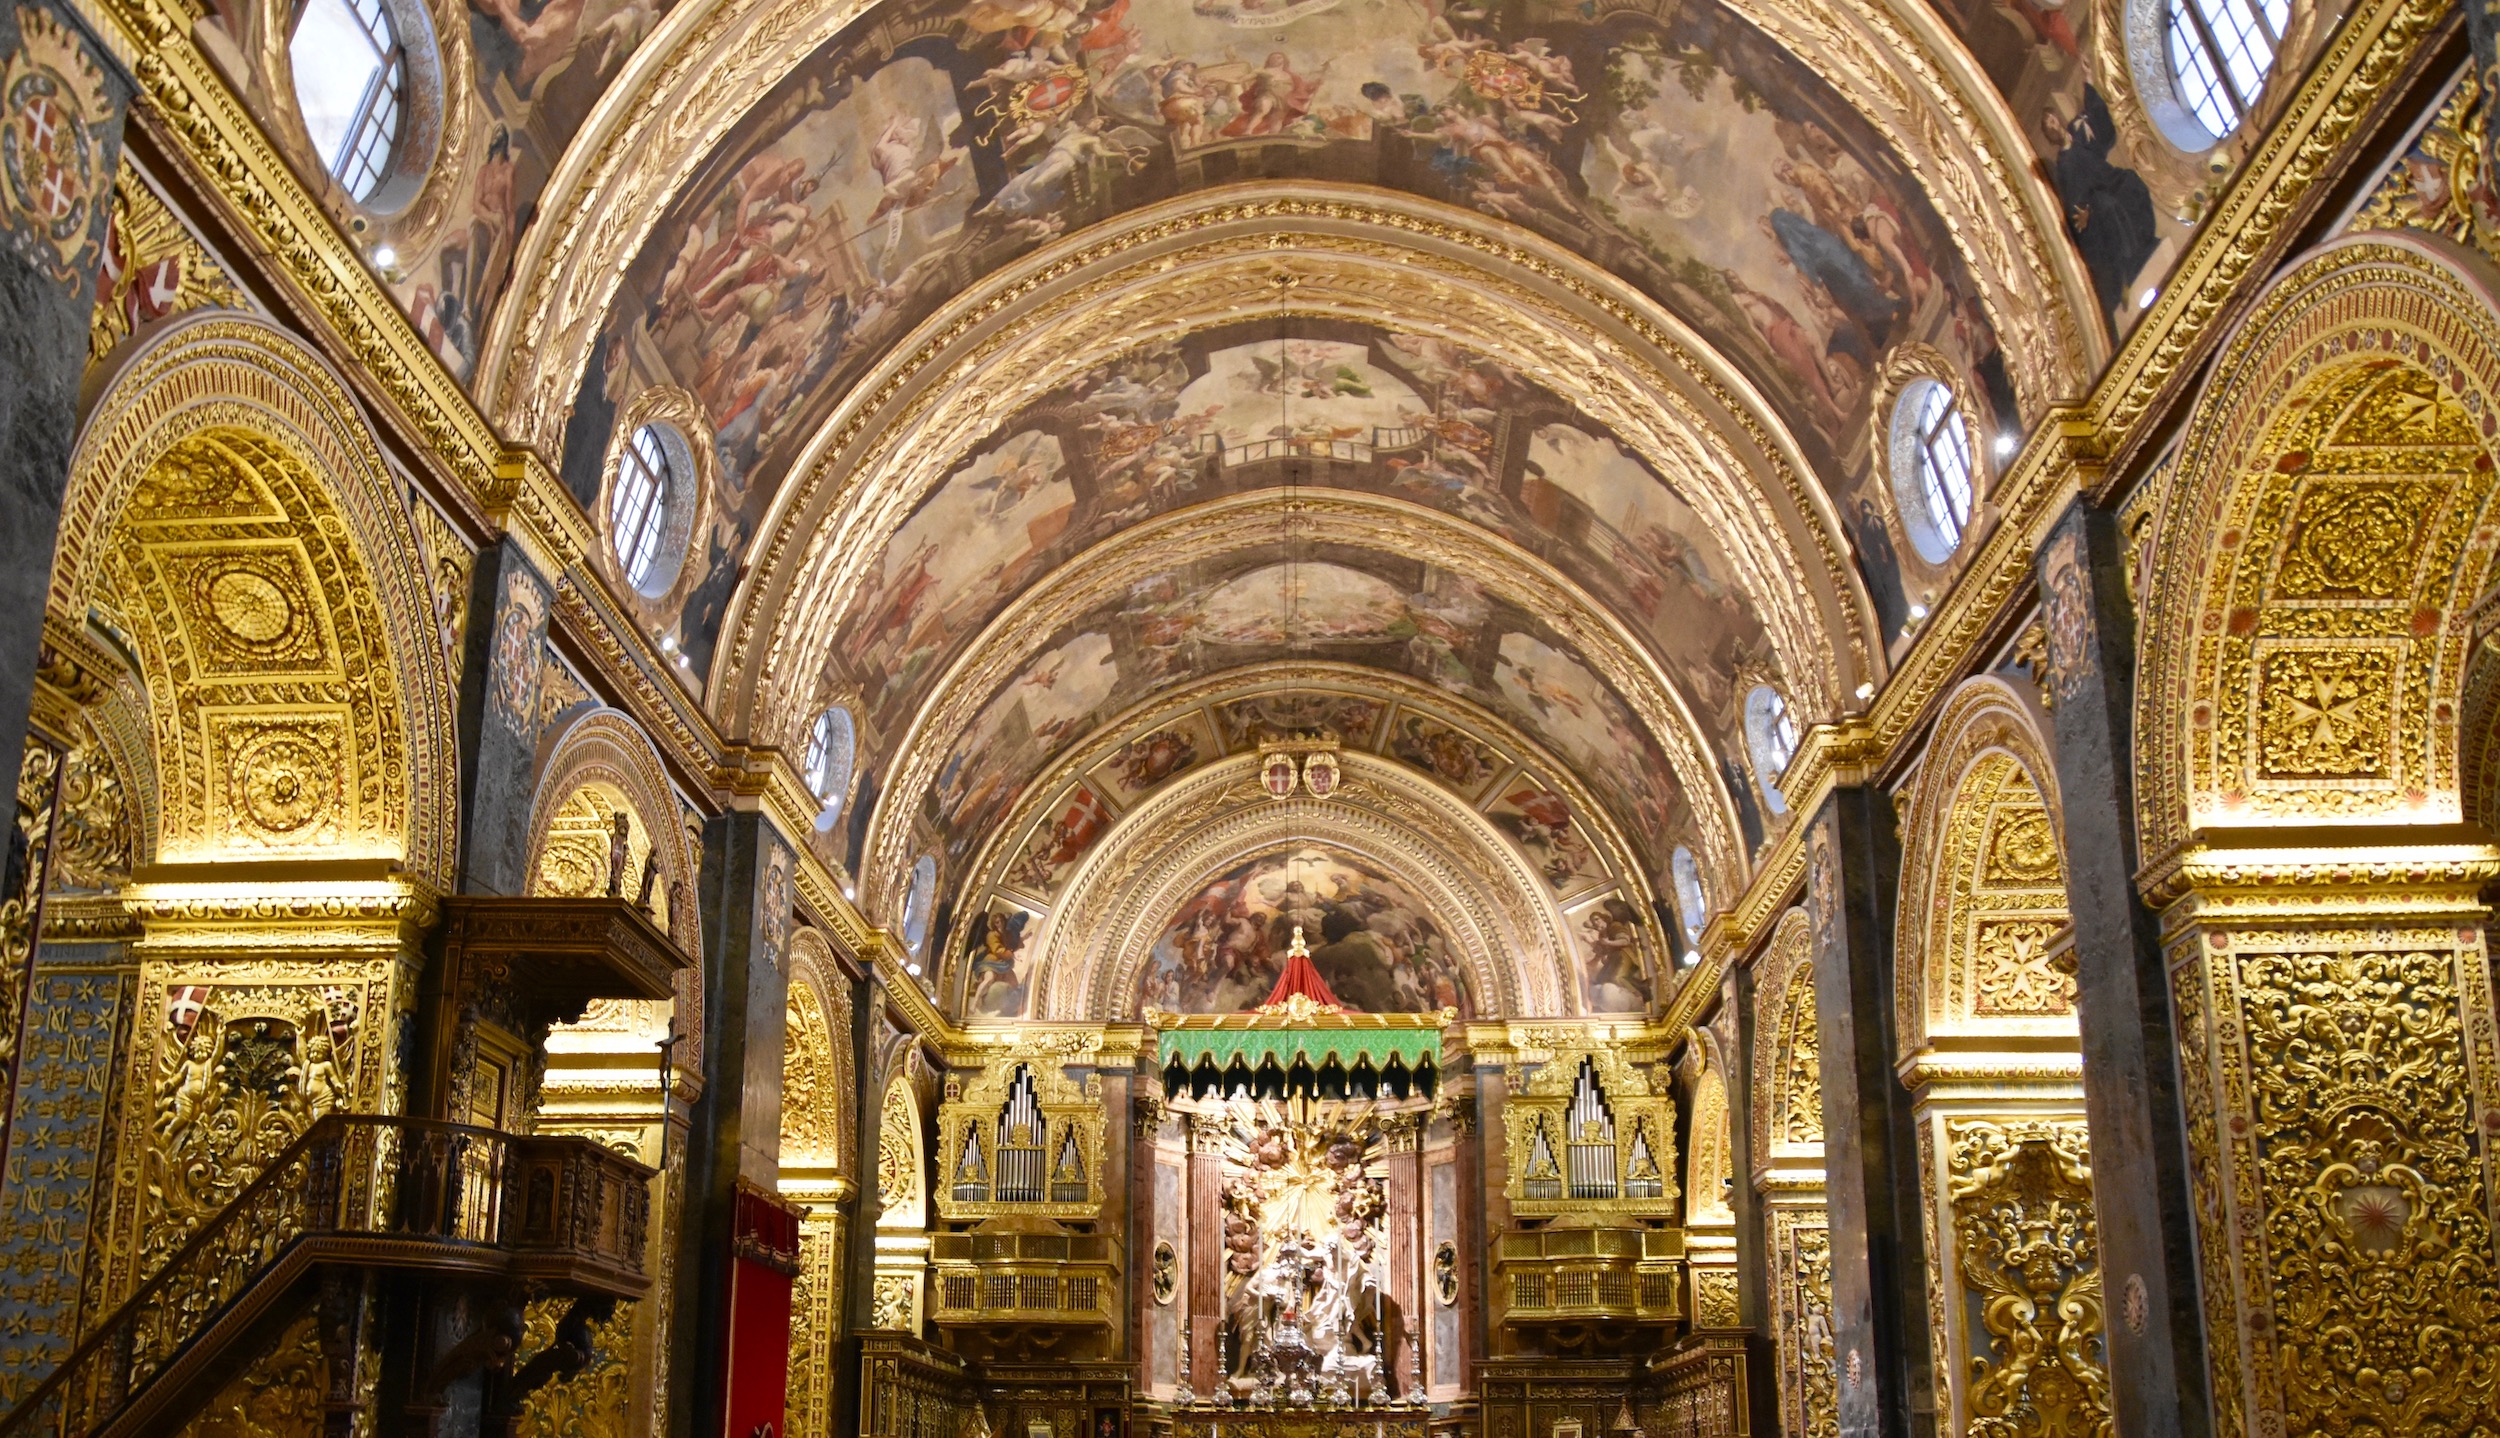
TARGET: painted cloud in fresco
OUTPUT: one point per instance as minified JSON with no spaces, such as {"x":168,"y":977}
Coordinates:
{"x":1404,"y":416}
{"x":925,"y":148}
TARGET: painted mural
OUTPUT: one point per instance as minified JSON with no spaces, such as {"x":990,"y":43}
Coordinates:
{"x":2118,"y":186}
{"x":924,"y":148}
{"x":1408,"y":417}
{"x":538,"y":69}
{"x":1371,"y":938}
{"x":1350,"y":606}
{"x":1606,"y":936}
{"x":1539,"y":821}
{"x":998,"y":963}
{"x":1453,"y":756}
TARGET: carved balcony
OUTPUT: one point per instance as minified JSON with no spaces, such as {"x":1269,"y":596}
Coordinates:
{"x":356,"y":1195}
{"x":1023,"y":1275}
{"x":1571,"y":1282}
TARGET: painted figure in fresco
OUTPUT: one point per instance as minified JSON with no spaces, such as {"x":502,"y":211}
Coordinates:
{"x":1613,"y":981}
{"x":2109,"y":210}
{"x":998,"y":987}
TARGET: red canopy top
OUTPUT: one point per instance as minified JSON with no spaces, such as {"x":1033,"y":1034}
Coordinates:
{"x":1301,"y":978}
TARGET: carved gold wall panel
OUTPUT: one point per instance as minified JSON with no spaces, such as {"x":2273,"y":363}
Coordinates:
{"x":1801,"y":1309}
{"x":227,"y":511}
{"x":2324,"y":541}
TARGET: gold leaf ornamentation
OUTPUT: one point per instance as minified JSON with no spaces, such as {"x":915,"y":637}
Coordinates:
{"x":2028,"y":1252}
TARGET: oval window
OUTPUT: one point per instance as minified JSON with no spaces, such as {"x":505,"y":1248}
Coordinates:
{"x":831,"y":743}
{"x":351,"y":86}
{"x":1771,"y":733}
{"x":650,"y":508}
{"x":1931,"y":468}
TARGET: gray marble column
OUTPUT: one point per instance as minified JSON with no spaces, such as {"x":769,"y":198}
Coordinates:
{"x":1870,"y":1146}
{"x":501,"y":674}
{"x":736,"y":1126}
{"x":2140,"y":1190}
{"x":56,"y":197}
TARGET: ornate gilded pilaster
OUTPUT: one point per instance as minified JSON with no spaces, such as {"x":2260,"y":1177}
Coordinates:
{"x":1985,"y":1007}
{"x":2337,"y":1047}
{"x":1786,"y":1123}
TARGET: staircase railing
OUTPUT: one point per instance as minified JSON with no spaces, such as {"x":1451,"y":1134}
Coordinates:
{"x":439,"y":1184}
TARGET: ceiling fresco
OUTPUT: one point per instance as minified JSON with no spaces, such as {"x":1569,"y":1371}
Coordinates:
{"x":1263,"y":603}
{"x":1376,"y":943}
{"x":1568,"y":849}
{"x":926,"y":147}
{"x":1400,"y":415}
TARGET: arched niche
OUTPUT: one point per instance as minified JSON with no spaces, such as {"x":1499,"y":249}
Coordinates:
{"x":1788,"y":1174}
{"x":601,"y":769}
{"x":895,"y":1296}
{"x":1501,"y":925}
{"x":2320,"y":550}
{"x":1985,"y":1009}
{"x":233,"y":528}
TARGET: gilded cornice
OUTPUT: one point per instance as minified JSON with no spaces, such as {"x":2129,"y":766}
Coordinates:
{"x":1104,"y":572}
{"x":210,"y":129}
{"x":1007,"y":842}
{"x":1511,"y":1043}
{"x":663,"y":118}
{"x":2367,"y":52}
{"x":1302,"y":250}
{"x":873,"y":948}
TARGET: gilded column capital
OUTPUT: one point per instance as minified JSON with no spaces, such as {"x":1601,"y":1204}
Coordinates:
{"x":1147,"y":1115}
{"x":1206,"y":1133}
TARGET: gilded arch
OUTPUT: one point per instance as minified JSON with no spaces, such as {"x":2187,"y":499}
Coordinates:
{"x":1514,"y":946}
{"x":1983,"y":898}
{"x":1361,"y":521}
{"x":2320,"y":549}
{"x":227,"y":501}
{"x":1984,"y":1010}
{"x":818,"y":1113}
{"x":601,"y":766}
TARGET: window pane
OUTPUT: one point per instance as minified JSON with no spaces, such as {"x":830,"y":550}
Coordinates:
{"x":335,"y":62}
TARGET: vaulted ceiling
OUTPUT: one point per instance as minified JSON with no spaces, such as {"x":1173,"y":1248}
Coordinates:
{"x":1072,"y":379}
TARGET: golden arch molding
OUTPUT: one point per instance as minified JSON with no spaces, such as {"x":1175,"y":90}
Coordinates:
{"x":1231,"y":257}
{"x":1221,"y":526}
{"x":219,"y":373}
{"x":990,"y":866}
{"x":1515,"y":949}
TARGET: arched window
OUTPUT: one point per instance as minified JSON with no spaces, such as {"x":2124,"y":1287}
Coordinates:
{"x":831,"y":745}
{"x":2220,"y":53}
{"x":1931,"y":468}
{"x":916,"y":905}
{"x":650,"y":505}
{"x":1771,"y":733}
{"x":351,"y":86}
{"x":1692,"y":902}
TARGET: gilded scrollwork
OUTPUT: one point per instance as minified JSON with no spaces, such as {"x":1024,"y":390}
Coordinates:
{"x":1809,"y":1359}
{"x":2026,"y":1249}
